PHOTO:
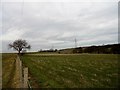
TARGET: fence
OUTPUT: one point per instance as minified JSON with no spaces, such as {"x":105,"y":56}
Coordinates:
{"x":22,"y":74}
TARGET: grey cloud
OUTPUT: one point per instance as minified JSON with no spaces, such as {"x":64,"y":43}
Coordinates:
{"x":58,"y":24}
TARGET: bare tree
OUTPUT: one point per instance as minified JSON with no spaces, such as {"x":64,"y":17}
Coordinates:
{"x":19,"y":45}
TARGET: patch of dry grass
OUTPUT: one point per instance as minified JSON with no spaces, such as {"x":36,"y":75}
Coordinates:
{"x":8,"y":70}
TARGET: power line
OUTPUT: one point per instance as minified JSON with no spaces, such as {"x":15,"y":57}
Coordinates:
{"x":21,"y":14}
{"x":22,"y":7}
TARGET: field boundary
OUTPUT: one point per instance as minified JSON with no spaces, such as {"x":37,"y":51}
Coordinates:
{"x":22,"y":74}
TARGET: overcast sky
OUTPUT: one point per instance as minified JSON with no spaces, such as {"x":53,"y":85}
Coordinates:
{"x":46,"y":24}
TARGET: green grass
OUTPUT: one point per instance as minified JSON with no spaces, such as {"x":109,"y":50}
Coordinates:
{"x":73,"y":71}
{"x":0,"y":70}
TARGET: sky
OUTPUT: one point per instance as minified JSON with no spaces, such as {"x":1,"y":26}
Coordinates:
{"x":47,"y":24}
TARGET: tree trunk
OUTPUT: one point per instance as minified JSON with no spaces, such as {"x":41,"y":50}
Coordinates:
{"x":19,"y":52}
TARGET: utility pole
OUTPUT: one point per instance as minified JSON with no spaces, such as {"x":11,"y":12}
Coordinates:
{"x":52,"y":48}
{"x":75,"y":43}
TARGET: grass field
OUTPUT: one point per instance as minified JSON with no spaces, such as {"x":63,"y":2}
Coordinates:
{"x":73,"y":71}
{"x":0,"y":70}
{"x":8,"y":70}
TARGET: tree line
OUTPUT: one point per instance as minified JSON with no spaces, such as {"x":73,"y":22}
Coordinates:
{"x":107,"y":49}
{"x":21,"y":46}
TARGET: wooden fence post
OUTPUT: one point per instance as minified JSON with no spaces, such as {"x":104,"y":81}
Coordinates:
{"x":26,"y":77}
{"x":22,"y":74}
{"x":19,"y":72}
